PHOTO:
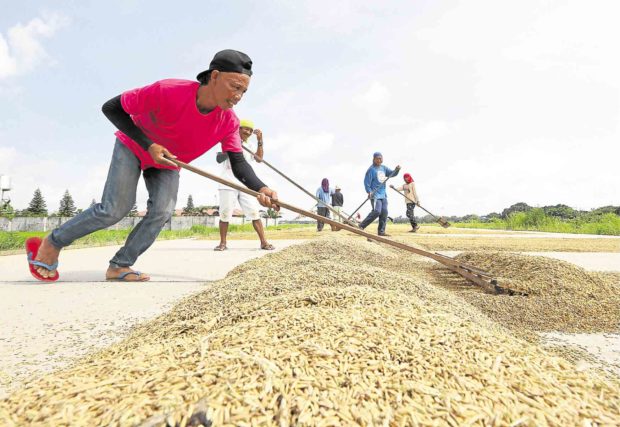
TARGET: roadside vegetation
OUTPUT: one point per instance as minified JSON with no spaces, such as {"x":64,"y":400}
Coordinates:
{"x":537,"y":220}
{"x":15,"y":240}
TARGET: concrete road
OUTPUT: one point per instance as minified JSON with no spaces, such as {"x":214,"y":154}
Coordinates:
{"x":44,"y":326}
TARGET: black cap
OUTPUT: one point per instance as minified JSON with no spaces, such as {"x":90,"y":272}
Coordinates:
{"x":229,"y":61}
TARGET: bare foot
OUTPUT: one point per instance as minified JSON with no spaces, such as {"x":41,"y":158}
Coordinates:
{"x":47,"y":254}
{"x":115,"y":273}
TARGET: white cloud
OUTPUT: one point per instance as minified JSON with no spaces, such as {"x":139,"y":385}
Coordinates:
{"x":31,"y":171}
{"x":7,"y":157}
{"x":21,"y":50}
{"x":328,"y":17}
{"x":374,"y":100}
{"x":486,"y":103}
{"x":302,"y":147}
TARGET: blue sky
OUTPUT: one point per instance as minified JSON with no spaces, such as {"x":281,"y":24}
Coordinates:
{"x":485,"y":103}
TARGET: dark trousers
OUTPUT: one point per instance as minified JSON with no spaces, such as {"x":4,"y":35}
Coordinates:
{"x":379,"y":209}
{"x":410,"y":207}
{"x":323,"y":212}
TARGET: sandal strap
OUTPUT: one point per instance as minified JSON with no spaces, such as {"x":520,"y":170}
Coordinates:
{"x":126,"y":273}
{"x":49,"y":267}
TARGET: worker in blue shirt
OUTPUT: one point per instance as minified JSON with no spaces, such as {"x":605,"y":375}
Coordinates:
{"x":374,"y":183}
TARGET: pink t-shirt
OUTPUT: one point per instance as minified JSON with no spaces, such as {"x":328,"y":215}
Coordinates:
{"x":166,"y":112}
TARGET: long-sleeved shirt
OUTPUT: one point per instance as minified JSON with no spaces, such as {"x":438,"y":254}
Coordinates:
{"x":337,"y":199}
{"x":323,"y":196}
{"x":410,"y":193}
{"x":375,"y":180}
{"x":227,"y":171}
{"x":165,"y":113}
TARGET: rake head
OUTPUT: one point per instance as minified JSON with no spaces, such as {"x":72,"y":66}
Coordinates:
{"x":350,"y":222}
{"x":443,"y":222}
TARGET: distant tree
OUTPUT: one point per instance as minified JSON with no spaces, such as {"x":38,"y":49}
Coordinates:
{"x":517,"y":207}
{"x":471,"y":218}
{"x":271,"y":213}
{"x":134,"y":211}
{"x":37,"y":206}
{"x":560,"y":211}
{"x":426,"y":219}
{"x":67,"y":206}
{"x":606,"y":209}
{"x":189,"y":208}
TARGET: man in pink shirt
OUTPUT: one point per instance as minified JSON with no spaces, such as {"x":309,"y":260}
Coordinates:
{"x":168,"y":119}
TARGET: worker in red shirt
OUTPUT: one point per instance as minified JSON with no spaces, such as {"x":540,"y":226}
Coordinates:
{"x":169,"y":119}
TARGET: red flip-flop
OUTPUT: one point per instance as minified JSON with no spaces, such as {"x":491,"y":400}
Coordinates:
{"x":32,"y":249}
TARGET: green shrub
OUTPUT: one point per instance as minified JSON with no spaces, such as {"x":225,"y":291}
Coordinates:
{"x":16,"y":239}
{"x":537,"y":220}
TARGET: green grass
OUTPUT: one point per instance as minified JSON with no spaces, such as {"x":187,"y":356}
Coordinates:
{"x":15,"y":239}
{"x":537,"y":220}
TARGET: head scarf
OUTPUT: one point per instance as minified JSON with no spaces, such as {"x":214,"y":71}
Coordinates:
{"x":325,"y":185}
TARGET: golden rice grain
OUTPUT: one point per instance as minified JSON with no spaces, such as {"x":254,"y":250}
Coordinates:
{"x":335,"y":332}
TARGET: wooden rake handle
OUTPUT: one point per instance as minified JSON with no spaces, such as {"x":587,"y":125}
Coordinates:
{"x":342,"y":215}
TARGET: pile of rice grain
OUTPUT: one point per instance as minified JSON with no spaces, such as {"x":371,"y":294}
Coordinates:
{"x":513,"y":244}
{"x":320,"y":334}
{"x":535,"y":275}
{"x":561,"y":296}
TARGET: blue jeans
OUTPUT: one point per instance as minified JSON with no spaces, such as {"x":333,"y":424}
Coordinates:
{"x":379,"y":209}
{"x":119,"y":196}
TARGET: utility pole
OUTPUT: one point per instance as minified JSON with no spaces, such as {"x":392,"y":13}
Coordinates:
{"x":5,"y":187}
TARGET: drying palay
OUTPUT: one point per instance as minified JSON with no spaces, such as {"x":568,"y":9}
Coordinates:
{"x":368,"y":342}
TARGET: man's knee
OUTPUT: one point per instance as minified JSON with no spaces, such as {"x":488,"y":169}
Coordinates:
{"x":161,"y":210}
{"x":225,"y":215}
{"x":252,"y":215}
{"x":160,"y":216}
{"x":111,"y":213}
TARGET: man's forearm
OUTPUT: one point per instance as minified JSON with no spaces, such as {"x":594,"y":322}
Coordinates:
{"x":244,"y":172}
{"x":260,"y":151}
